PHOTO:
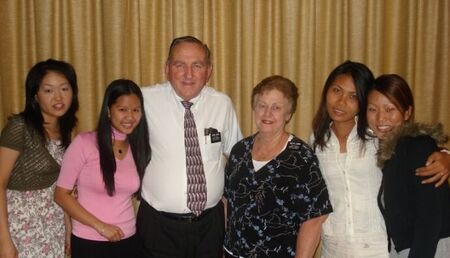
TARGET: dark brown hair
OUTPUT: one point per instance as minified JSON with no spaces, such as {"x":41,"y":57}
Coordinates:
{"x":363,"y":80}
{"x":138,"y":139}
{"x":397,"y":90}
{"x":32,"y":112}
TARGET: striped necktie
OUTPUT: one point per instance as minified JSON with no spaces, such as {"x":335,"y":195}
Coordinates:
{"x":196,"y":181}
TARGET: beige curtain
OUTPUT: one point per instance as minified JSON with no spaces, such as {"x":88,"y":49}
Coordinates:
{"x":250,"y":39}
{"x":302,"y":40}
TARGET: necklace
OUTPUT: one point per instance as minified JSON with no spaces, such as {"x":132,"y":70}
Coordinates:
{"x":119,"y":141}
{"x":119,"y":150}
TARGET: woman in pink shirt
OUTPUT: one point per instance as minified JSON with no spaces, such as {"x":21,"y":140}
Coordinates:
{"x":106,"y":165}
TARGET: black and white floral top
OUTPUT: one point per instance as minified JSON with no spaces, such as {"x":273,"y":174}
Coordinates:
{"x":266,"y":208}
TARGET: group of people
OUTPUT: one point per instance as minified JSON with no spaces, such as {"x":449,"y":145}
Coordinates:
{"x":370,"y":183}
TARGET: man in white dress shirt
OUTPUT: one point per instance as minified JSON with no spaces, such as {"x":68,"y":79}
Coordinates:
{"x":165,"y":224}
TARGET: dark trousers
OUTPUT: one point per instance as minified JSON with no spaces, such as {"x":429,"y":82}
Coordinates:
{"x":164,"y":235}
{"x":85,"y":248}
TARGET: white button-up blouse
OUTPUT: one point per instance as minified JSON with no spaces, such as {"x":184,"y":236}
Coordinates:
{"x":353,"y":180}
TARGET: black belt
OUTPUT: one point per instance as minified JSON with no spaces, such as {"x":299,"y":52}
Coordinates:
{"x":186,"y":217}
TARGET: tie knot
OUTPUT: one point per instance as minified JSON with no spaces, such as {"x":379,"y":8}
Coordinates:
{"x":187,"y":104}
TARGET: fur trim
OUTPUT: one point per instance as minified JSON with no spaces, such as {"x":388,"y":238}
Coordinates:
{"x":387,"y":146}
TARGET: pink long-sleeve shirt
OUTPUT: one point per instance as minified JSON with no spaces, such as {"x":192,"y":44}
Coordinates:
{"x":81,"y":167}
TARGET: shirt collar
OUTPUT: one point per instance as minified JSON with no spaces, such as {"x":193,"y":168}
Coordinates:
{"x":194,"y":101}
{"x":352,"y":135}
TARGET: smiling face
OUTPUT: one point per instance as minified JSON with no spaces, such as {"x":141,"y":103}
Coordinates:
{"x":54,"y":96}
{"x":125,"y":113}
{"x":272,"y":111}
{"x":188,"y":69}
{"x":383,"y":116}
{"x":341,"y":100}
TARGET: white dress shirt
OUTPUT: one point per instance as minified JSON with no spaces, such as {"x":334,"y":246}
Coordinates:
{"x":164,"y":185}
{"x":356,"y":226}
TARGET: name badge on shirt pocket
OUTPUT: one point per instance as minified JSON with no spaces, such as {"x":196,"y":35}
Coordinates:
{"x":213,"y":148}
{"x":214,"y":135}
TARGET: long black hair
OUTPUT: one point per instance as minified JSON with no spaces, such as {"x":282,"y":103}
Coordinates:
{"x":138,"y":139}
{"x":364,"y":81}
{"x":32,"y":112}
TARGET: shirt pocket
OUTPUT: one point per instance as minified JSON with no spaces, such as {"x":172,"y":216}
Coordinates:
{"x":212,"y":151}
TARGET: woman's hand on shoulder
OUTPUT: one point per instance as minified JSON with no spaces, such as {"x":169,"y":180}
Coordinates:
{"x":437,"y":169}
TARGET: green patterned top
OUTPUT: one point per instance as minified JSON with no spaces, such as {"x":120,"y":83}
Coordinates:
{"x":35,"y":168}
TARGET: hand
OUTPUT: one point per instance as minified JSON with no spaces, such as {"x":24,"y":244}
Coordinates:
{"x":437,"y":169}
{"x":111,"y":232}
{"x":8,"y":250}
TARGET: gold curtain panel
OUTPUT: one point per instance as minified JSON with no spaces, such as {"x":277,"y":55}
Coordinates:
{"x":300,"y":39}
